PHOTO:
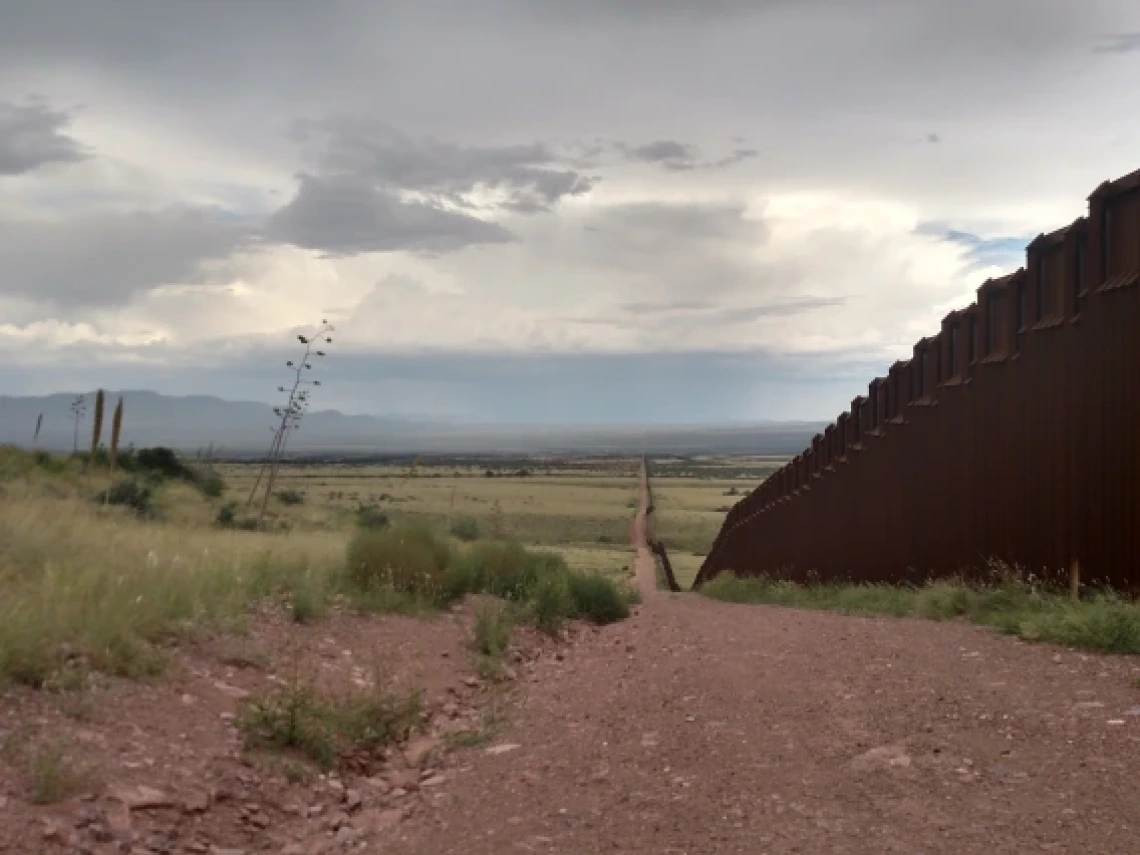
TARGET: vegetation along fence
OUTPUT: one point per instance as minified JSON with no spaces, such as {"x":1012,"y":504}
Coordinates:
{"x":1012,"y":435}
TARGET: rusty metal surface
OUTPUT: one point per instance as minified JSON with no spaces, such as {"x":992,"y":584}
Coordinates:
{"x":1012,"y":435}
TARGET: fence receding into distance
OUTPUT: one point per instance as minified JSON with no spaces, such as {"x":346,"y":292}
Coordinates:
{"x":1013,"y":434}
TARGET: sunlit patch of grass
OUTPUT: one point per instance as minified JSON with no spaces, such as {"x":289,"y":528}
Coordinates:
{"x":1103,"y":622}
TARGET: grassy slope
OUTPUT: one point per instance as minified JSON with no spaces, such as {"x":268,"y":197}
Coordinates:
{"x":81,"y":577}
{"x":1103,"y":622}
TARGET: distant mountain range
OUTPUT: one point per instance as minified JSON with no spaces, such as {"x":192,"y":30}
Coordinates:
{"x":241,"y":428}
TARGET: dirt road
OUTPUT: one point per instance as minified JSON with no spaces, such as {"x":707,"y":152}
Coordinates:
{"x":701,"y":727}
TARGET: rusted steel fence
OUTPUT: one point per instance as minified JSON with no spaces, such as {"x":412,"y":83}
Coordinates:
{"x":1012,"y":435}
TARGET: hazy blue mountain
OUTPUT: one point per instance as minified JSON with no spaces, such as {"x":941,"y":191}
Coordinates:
{"x":244,"y":427}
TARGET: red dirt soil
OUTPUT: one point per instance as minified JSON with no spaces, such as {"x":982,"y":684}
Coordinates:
{"x":693,"y":727}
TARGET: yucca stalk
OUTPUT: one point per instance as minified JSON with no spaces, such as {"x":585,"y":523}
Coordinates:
{"x":97,"y":427}
{"x":292,"y":413}
{"x":116,"y":432}
{"x":39,"y":424}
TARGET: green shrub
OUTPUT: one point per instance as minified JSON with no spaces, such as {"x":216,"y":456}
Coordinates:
{"x":227,"y":518}
{"x":163,"y":462}
{"x":465,"y":528}
{"x":492,"y":630}
{"x":596,"y":598}
{"x":290,"y":497}
{"x":49,"y":462}
{"x":552,"y":604}
{"x":128,"y":493}
{"x":325,"y":729}
{"x":306,"y":601}
{"x":409,"y":558}
{"x":227,"y":515}
{"x":371,"y":517}
{"x":211,"y":484}
{"x":504,"y":569}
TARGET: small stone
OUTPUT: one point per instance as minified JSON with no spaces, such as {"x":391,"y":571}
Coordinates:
{"x":503,"y":749}
{"x":352,"y":800}
{"x":258,"y":820}
{"x":883,"y":757}
{"x":434,"y":781}
{"x":380,"y":820}
{"x":347,"y":834}
{"x":405,"y":779}
{"x":197,"y":802}
{"x":141,"y":797}
{"x":119,"y":819}
{"x":472,"y":682}
{"x":418,"y":750}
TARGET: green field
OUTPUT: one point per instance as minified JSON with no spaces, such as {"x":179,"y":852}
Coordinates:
{"x":582,"y":511}
{"x":692,"y":496}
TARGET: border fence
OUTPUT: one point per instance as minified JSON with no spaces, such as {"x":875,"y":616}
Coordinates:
{"x":1011,"y":435}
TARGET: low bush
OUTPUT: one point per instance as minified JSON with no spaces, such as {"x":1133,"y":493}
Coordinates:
{"x":212,"y":485}
{"x":371,"y":517}
{"x":465,"y":528}
{"x":227,"y":517}
{"x":407,"y":558}
{"x":491,"y":632}
{"x":326,"y":729}
{"x":596,"y":598}
{"x":551,"y":603}
{"x":129,"y":493}
{"x":409,"y":568}
{"x":290,"y":497}
{"x":161,"y":461}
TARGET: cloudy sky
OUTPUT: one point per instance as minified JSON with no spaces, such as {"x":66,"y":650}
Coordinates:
{"x":534,"y":210}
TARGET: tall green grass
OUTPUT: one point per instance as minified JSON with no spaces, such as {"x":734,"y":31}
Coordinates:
{"x":1103,"y":622}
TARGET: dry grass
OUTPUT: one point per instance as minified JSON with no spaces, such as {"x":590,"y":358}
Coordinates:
{"x":108,"y":589}
{"x":50,"y":766}
{"x":83,"y":581}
